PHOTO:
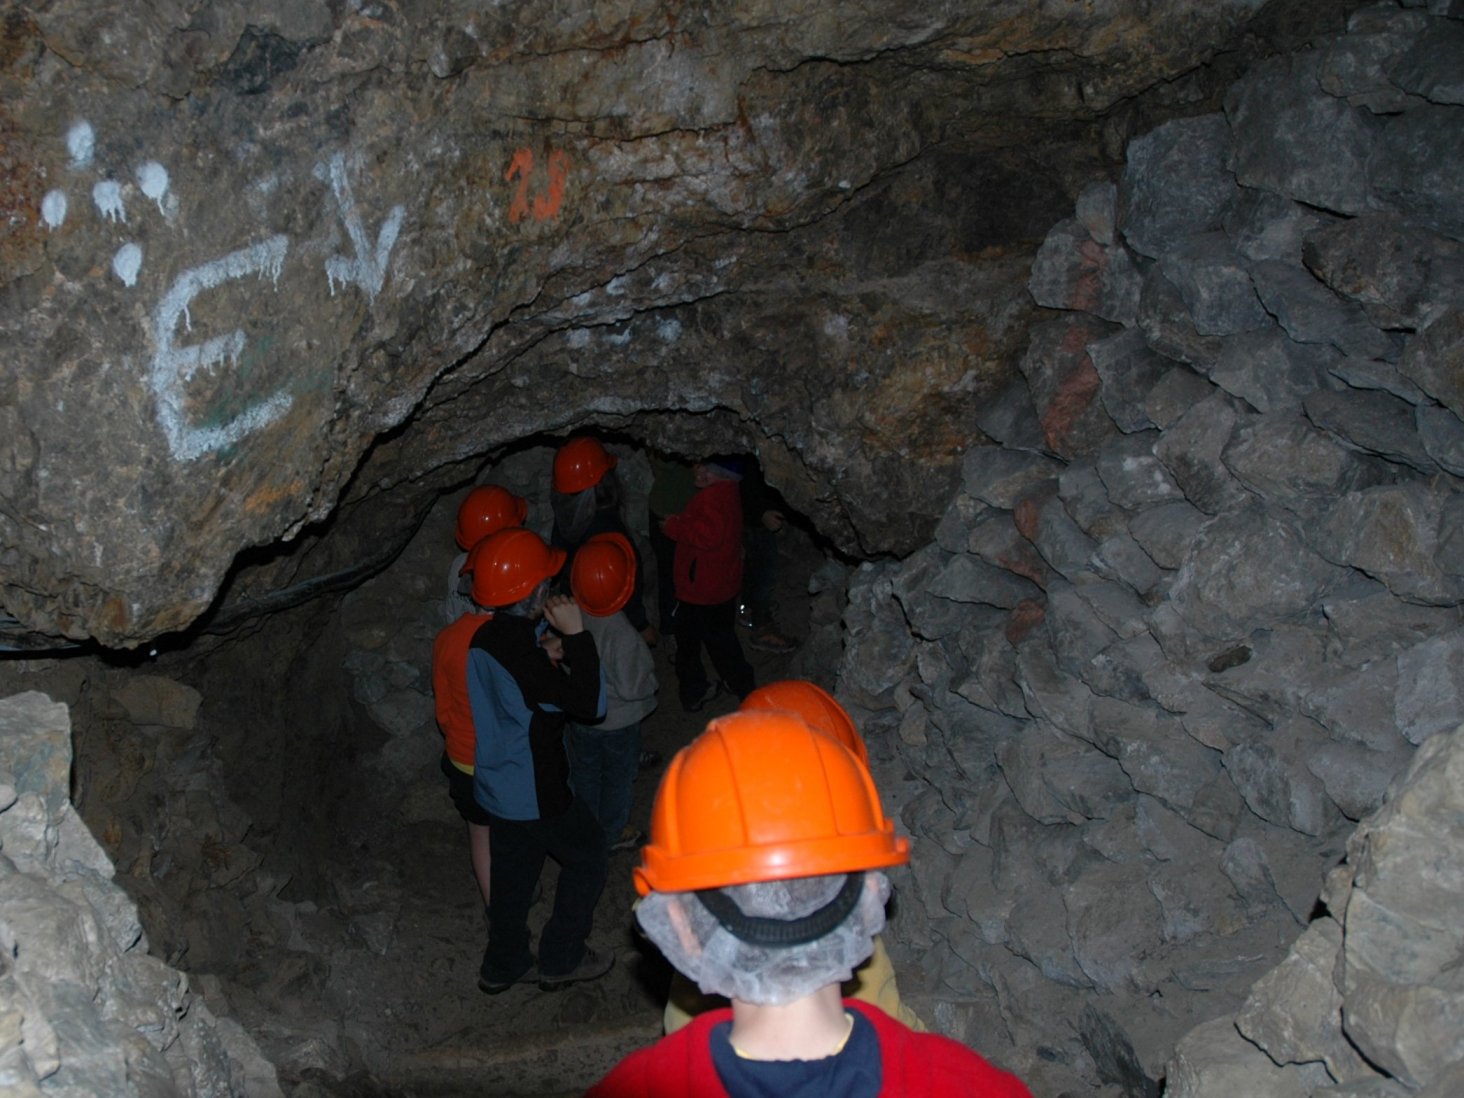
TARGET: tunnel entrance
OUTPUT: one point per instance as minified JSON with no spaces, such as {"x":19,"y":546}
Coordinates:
{"x":272,"y":801}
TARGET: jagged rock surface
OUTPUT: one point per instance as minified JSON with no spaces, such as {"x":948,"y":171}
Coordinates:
{"x":85,"y":1008}
{"x":1242,"y":614}
{"x":268,"y":259}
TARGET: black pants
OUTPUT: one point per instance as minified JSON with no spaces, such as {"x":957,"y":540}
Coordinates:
{"x":575,"y":841}
{"x":715,"y":627}
{"x":665,"y":552}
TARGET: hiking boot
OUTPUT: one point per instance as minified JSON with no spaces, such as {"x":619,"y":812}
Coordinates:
{"x":592,"y":966}
{"x":489,"y":986}
{"x":712,"y":690}
{"x":629,"y":838}
{"x":770,"y":640}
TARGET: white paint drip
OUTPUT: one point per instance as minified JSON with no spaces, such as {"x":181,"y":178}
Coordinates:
{"x":368,"y":269}
{"x":173,"y":366}
{"x":81,"y":143}
{"x":53,"y":209}
{"x":126,"y":263}
{"x":152,"y":177}
{"x":108,"y":196}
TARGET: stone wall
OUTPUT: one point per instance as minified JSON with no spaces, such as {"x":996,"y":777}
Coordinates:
{"x":85,"y":1008}
{"x":1368,"y":1001}
{"x":1177,"y":633}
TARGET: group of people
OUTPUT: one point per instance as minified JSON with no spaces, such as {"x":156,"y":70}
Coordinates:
{"x":763,"y":878}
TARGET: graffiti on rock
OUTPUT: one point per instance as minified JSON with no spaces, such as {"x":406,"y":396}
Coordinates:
{"x":173,"y":366}
{"x":546,"y":203}
{"x":368,"y":267}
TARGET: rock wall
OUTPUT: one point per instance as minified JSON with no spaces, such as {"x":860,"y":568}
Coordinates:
{"x":1368,"y":1000}
{"x":1183,"y":626}
{"x":85,"y":1008}
{"x":264,"y":257}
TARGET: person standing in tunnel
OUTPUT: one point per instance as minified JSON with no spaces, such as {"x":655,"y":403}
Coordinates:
{"x":763,"y":520}
{"x":763,"y":882}
{"x":708,"y":568}
{"x":459,"y":739}
{"x":587,"y":500}
{"x":604,"y":757}
{"x":521,"y":704}
{"x":873,"y":981}
{"x":485,"y":510}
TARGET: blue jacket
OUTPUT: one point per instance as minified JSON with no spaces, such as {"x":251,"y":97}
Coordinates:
{"x":521,"y":704}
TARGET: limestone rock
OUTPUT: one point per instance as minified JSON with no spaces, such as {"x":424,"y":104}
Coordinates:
{"x":1074,"y":271}
{"x":1392,"y":534}
{"x":1214,"y":285}
{"x":1403,"y":1005}
{"x":1175,"y":183}
{"x":1373,"y":422}
{"x":1295,"y":140}
{"x":1214,"y":1060}
{"x":1128,"y":369}
{"x":1294,"y":1012}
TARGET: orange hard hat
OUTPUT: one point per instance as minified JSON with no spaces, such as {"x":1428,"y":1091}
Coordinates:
{"x":486,"y":510}
{"x":761,"y":796}
{"x":509,"y":564}
{"x":602,"y":575}
{"x":580,"y":463}
{"x":815,"y":705}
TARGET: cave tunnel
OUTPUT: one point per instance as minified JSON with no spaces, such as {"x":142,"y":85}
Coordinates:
{"x":1104,"y":359}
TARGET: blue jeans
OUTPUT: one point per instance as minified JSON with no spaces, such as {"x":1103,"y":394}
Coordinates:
{"x":602,"y":769}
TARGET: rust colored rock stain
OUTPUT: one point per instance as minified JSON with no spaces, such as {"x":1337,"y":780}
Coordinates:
{"x":1093,"y":261}
{"x":1026,"y":616}
{"x":21,"y":187}
{"x":1026,"y":514}
{"x":1074,"y":393}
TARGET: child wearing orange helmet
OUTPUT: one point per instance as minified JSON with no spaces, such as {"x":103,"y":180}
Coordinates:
{"x":763,"y":882}
{"x":873,"y":981}
{"x":520,"y":705}
{"x":587,"y":500}
{"x":486,"y":509}
{"x":604,"y":757}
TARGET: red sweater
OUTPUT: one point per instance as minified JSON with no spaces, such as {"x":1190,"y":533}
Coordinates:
{"x":708,"y":536}
{"x":913,"y":1065}
{"x":450,"y":689}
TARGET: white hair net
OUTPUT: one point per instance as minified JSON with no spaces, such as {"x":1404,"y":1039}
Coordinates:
{"x":720,"y":963}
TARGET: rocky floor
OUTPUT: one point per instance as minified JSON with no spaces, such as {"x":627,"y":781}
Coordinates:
{"x":380,"y":998}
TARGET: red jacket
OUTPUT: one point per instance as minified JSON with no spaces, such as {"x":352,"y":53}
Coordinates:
{"x":913,"y":1065}
{"x":708,"y":536}
{"x":450,"y":688}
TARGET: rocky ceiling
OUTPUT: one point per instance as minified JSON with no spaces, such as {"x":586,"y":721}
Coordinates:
{"x":272,"y":266}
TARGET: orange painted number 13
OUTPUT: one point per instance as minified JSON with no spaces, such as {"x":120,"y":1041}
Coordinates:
{"x":545,"y":204}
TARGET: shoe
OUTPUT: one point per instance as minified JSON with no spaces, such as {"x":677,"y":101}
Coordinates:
{"x":649,"y":760}
{"x":630,"y":838}
{"x":592,"y":966}
{"x":770,"y":640}
{"x":712,"y":690}
{"x":498,"y":987}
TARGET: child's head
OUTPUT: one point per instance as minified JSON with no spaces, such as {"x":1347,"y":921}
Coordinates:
{"x":761,"y":879}
{"x":713,"y":469}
